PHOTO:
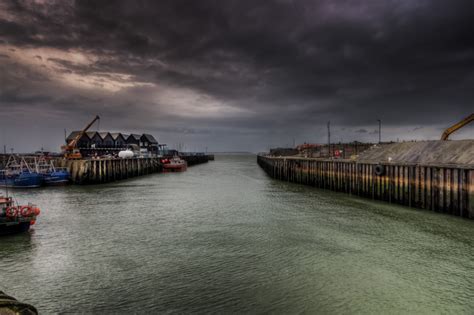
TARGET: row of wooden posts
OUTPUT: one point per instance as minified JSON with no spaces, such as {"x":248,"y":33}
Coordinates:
{"x":438,"y":188}
{"x":107,"y":170}
{"x":99,"y":171}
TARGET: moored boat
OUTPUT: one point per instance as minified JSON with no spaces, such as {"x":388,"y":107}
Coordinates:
{"x":19,"y":174}
{"x":174,"y":164}
{"x":16,"y":219}
{"x":59,"y":176}
{"x":20,"y":179}
{"x":53,"y":176}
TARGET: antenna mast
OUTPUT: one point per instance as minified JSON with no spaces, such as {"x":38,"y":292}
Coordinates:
{"x":4,"y":171}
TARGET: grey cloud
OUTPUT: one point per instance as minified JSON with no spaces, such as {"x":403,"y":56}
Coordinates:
{"x":292,"y":65}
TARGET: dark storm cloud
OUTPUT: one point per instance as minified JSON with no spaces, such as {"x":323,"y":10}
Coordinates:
{"x":268,"y":69}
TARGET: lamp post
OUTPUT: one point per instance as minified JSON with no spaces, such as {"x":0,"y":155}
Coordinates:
{"x":380,"y":130}
{"x":329,"y":138}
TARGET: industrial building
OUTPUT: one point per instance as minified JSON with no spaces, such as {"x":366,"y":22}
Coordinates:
{"x":93,"y":143}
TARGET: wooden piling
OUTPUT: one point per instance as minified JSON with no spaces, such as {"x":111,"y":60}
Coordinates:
{"x":447,"y":189}
{"x":108,"y":170}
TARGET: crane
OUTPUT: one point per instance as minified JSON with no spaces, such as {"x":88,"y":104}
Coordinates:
{"x":457,"y":126}
{"x":70,"y":150}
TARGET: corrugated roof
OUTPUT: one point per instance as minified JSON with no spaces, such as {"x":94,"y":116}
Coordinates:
{"x":135,"y":136}
{"x":115,"y":135}
{"x":150,"y":138}
{"x":91,"y":134}
{"x":104,"y":134}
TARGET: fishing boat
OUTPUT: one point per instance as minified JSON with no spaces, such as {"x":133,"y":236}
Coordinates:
{"x":52,"y":175}
{"x":19,"y":174}
{"x":16,"y":218}
{"x":174,"y":164}
{"x":21,"y":179}
{"x":58,"y":176}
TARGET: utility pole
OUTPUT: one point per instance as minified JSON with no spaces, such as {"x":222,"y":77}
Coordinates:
{"x":380,"y":130}
{"x":329,"y":138}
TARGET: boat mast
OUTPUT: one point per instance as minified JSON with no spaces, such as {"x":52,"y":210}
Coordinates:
{"x":4,"y":172}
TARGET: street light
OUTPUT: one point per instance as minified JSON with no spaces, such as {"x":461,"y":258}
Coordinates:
{"x":380,"y":130}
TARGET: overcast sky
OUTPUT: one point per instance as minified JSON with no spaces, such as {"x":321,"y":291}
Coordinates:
{"x":235,"y":75}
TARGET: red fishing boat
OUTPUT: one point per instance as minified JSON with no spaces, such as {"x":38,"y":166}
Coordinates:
{"x":174,"y":164}
{"x":16,"y":218}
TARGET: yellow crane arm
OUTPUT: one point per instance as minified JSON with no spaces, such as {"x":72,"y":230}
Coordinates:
{"x":457,"y":126}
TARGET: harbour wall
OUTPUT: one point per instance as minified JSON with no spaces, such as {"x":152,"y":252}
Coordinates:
{"x":91,"y":171}
{"x":440,"y":188}
{"x":108,"y":170}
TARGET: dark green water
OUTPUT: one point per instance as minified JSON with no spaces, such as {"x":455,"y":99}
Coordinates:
{"x":223,"y":237}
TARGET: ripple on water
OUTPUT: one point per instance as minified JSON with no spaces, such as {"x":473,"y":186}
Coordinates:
{"x":223,"y":237}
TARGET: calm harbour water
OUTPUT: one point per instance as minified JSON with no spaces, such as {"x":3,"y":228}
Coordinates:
{"x":223,"y":237}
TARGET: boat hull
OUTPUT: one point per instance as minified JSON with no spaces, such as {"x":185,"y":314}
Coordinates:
{"x":56,"y":178}
{"x":23,"y":180}
{"x":14,"y":228}
{"x":174,"y":164}
{"x":174,"y":168}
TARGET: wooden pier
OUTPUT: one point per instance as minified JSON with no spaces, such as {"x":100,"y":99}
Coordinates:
{"x":108,"y":170}
{"x":98,"y":171}
{"x":448,"y":189}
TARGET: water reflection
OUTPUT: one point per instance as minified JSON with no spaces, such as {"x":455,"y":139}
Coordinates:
{"x":223,"y":237}
{"x":17,"y":244}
